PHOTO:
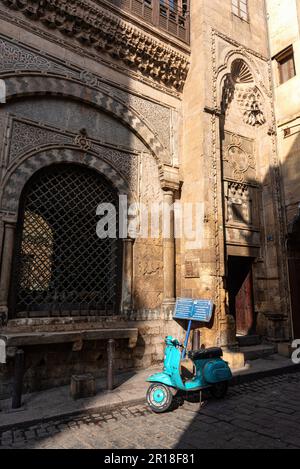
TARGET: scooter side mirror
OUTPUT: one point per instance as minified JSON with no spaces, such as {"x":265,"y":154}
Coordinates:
{"x":169,"y":340}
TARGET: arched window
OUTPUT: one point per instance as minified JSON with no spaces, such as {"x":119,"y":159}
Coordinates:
{"x":61,"y":267}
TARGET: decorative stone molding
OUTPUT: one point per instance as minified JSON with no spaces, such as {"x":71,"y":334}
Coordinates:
{"x":17,"y":176}
{"x":25,"y":136}
{"x":16,"y":58}
{"x":83,"y":141}
{"x":251,"y":104}
{"x":95,"y":27}
{"x":239,"y":204}
{"x":169,"y":178}
{"x":240,"y":72}
{"x":18,"y":86}
{"x":28,"y":137}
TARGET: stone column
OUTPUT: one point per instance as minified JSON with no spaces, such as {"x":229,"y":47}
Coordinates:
{"x":128,"y":275}
{"x":8,"y":246}
{"x":169,"y":253}
{"x":1,"y":237}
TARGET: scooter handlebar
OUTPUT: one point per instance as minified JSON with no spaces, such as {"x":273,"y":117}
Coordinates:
{"x":177,"y":343}
{"x":169,"y":340}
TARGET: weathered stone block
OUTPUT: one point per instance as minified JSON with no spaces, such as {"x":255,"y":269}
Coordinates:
{"x":236,"y":360}
{"x":285,"y":349}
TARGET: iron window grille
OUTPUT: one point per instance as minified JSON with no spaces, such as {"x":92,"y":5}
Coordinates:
{"x":61,"y":267}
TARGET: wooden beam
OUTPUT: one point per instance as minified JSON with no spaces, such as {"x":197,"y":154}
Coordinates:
{"x":39,"y":338}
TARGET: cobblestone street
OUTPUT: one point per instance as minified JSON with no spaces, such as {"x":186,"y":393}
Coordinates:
{"x":262,"y":414}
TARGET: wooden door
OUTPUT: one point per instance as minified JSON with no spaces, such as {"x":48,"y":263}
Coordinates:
{"x":294,"y":269}
{"x":244,"y":307}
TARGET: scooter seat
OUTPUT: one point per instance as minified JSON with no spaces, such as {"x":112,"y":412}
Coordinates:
{"x":202,"y":354}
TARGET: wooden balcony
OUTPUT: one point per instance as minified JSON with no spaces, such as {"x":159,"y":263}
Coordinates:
{"x":171,"y":16}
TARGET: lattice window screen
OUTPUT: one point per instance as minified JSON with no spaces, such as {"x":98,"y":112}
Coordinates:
{"x":61,"y":266}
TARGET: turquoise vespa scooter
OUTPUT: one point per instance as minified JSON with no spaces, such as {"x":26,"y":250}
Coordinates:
{"x":210,"y":371}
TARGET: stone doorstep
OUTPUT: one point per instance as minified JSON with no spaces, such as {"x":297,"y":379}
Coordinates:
{"x":33,"y":411}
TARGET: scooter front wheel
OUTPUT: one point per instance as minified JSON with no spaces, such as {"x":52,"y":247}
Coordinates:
{"x":159,"y":398}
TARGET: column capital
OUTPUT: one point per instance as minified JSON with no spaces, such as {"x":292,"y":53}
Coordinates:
{"x":169,"y":193}
{"x":9,"y":219}
{"x":169,"y":179}
{"x":129,"y":240}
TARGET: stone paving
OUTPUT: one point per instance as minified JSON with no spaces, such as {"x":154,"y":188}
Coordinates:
{"x":262,"y":414}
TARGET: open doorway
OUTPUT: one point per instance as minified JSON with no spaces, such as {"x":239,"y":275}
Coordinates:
{"x":240,"y":289}
{"x":294,"y":274}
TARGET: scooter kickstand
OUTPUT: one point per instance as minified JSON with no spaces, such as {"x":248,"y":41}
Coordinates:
{"x":202,"y":403}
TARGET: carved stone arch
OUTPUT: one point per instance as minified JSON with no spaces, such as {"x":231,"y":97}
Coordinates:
{"x":225,"y":69}
{"x":35,"y":85}
{"x":235,"y":55}
{"x":23,"y":170}
{"x":237,"y":79}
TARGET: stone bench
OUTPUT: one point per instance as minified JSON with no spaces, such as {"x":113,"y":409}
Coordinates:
{"x":16,"y":341}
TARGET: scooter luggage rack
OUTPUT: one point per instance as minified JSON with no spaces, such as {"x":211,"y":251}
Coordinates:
{"x":192,"y":310}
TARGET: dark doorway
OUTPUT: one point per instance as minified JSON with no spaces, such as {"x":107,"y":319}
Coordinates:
{"x":294,"y":274}
{"x":61,"y":267}
{"x":240,"y":289}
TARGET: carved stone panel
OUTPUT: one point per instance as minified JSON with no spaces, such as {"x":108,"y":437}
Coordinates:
{"x":241,"y":94}
{"x":239,"y":204}
{"x":17,"y":58}
{"x":239,"y":158}
{"x":243,"y":237}
{"x":30,"y":137}
{"x":25,"y":137}
{"x":242,"y":214}
{"x":95,"y":27}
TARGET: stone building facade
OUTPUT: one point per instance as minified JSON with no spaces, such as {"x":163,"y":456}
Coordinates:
{"x":284,"y":29}
{"x":102,"y":98}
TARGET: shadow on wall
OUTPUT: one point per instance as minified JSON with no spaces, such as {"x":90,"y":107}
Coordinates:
{"x":46,"y":122}
{"x":222,"y":413}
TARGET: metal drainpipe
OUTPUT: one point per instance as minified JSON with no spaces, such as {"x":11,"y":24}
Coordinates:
{"x":277,"y":151}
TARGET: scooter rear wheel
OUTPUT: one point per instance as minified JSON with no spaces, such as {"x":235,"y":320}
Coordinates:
{"x":159,"y":398}
{"x":219,"y":390}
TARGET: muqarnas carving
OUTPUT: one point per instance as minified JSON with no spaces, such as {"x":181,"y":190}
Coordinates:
{"x":239,"y":204}
{"x":97,"y":28}
{"x":240,"y":85}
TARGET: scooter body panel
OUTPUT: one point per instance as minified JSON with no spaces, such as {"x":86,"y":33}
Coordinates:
{"x":171,"y":373}
{"x":208,"y":371}
{"x":162,"y":378}
{"x":216,"y":371}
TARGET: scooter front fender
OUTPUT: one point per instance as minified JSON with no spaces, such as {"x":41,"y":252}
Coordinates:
{"x":162,"y":378}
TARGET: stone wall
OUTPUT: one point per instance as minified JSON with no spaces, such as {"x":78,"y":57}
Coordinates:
{"x":53,"y":365}
{"x":110,"y":106}
{"x":228,"y":81}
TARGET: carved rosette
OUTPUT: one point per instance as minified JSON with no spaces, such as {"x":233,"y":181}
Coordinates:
{"x":239,"y":160}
